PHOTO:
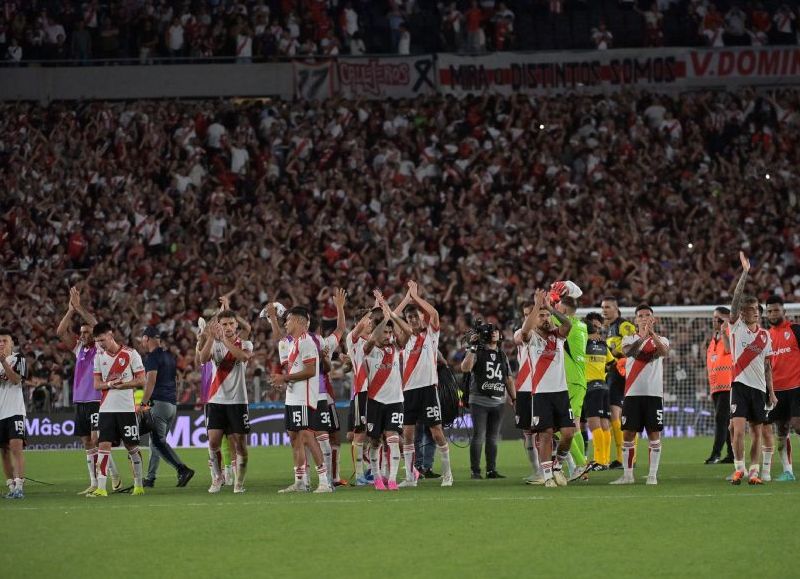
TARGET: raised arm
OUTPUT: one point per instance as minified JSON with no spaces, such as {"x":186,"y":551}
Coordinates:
{"x":402,"y":331}
{"x":427,"y":307}
{"x":372,"y":341}
{"x":726,"y":340}
{"x":75,"y":300}
{"x":738,"y":293}
{"x":63,"y":331}
{"x":272,"y":315}
{"x":662,"y":349}
{"x":566,"y":324}
{"x":530,"y":321}
{"x":339,"y":299}
{"x":204,"y":354}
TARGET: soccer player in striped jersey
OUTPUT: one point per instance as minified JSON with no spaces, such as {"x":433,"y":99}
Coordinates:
{"x":85,"y":397}
{"x":226,"y":410}
{"x":357,"y":416}
{"x":751,"y":390}
{"x":383,"y":351}
{"x":322,"y":419}
{"x":300,"y":380}
{"x":550,"y":408}
{"x":118,"y":371}
{"x":643,"y":405}
{"x":13,"y":371}
{"x":524,"y":401}
{"x":420,"y":394}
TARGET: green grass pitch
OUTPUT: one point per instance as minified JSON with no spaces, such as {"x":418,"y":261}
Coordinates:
{"x":693,"y":524}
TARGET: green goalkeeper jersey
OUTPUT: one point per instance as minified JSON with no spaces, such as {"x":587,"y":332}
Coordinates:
{"x":575,"y":350}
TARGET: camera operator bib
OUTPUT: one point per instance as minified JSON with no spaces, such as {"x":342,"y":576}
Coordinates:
{"x":489,"y":373}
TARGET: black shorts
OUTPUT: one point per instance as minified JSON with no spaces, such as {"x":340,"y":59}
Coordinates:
{"x":597,"y":404}
{"x":12,"y":428}
{"x":229,"y":418}
{"x":321,"y":419}
{"x":383,"y":418}
{"x":297,"y":418}
{"x":640,"y":412}
{"x":748,"y":403}
{"x":422,"y":404}
{"x":522,"y":411}
{"x":357,"y":416}
{"x":334,"y":418}
{"x":616,"y":389}
{"x":788,"y":406}
{"x":551,"y":410}
{"x":87,"y":418}
{"x":119,"y":426}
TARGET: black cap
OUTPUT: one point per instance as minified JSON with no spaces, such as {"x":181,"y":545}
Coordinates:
{"x":151,"y":332}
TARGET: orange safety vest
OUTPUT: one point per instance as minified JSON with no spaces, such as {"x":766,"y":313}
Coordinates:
{"x":719,"y":365}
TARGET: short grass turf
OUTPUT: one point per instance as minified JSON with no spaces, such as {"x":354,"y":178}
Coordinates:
{"x":692,"y":524}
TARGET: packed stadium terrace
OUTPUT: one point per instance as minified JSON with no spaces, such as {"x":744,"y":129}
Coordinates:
{"x":158,"y":208}
{"x":143,"y":30}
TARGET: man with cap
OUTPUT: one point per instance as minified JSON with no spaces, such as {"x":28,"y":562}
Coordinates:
{"x":159,"y":405}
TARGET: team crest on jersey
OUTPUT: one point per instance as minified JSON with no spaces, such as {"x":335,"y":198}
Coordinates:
{"x":733,"y":408}
{"x":536,"y":421}
{"x":492,"y":355}
{"x":786,"y":335}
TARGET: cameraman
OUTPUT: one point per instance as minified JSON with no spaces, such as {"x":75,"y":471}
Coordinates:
{"x":490,"y":379}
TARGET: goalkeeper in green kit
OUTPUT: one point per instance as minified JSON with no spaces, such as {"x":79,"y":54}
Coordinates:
{"x":564,"y":295}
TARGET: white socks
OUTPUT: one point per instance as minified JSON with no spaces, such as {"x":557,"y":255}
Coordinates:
{"x":91,"y":465}
{"x":323,"y":439}
{"x":408,"y":458}
{"x":628,"y":451}
{"x":394,"y":456}
{"x":241,"y":471}
{"x":444,"y":454}
{"x":655,"y":457}
{"x":135,"y":456}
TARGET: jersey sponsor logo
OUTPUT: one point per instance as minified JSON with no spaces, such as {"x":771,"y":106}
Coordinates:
{"x":780,"y":351}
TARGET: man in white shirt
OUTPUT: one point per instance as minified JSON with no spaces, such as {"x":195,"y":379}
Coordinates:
{"x":751,"y":391}
{"x":13,"y":371}
{"x":550,"y":408}
{"x":299,"y":378}
{"x":420,"y":383}
{"x":118,"y":371}
{"x":383,"y":353}
{"x":227,"y":410}
{"x":644,"y":393}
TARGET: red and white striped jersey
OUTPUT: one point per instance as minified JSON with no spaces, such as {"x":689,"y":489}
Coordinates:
{"x":419,"y":359}
{"x":644,"y":373}
{"x":228,"y":376}
{"x":750,"y":351}
{"x":355,"y":350}
{"x":126,"y":365}
{"x":547,"y":363}
{"x":304,"y":392}
{"x":523,"y":383}
{"x":385,"y":381}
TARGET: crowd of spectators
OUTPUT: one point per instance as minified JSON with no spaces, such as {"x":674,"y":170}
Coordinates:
{"x":156,"y":208}
{"x":247,"y":30}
